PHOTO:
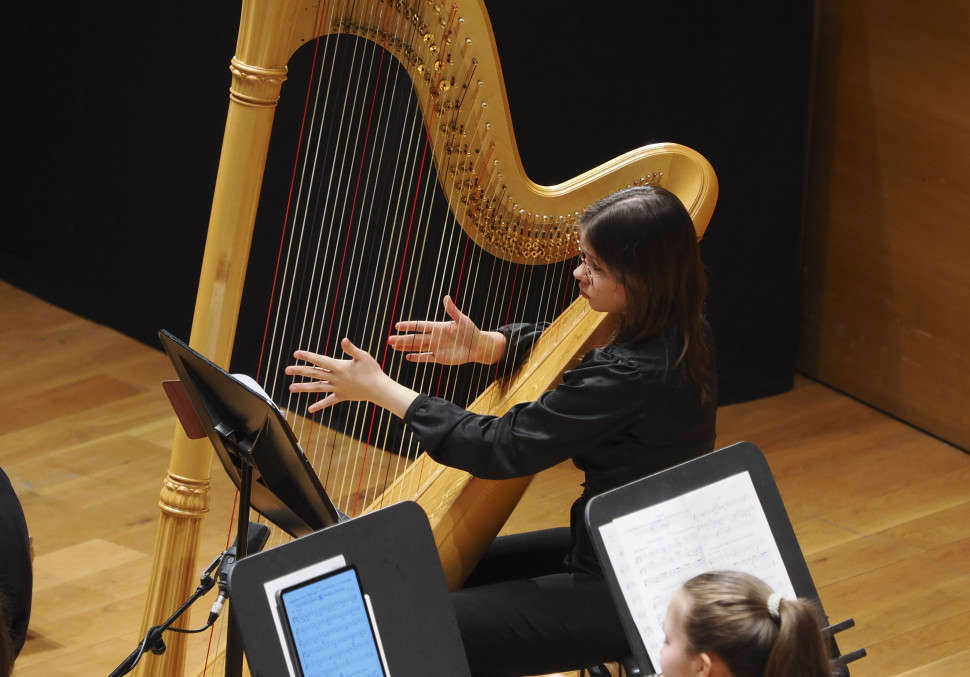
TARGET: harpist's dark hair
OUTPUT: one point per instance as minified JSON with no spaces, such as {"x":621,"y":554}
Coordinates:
{"x":647,"y":241}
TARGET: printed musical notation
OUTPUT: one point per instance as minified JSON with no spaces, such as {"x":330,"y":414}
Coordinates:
{"x":331,"y":628}
{"x":274,"y":586}
{"x":655,"y":549}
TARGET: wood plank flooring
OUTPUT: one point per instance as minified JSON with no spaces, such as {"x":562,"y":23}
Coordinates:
{"x":882,"y":511}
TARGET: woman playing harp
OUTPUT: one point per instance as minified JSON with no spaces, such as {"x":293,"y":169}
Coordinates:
{"x":538,"y":603}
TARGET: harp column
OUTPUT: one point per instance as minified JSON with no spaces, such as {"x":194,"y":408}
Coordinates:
{"x":258,"y":72}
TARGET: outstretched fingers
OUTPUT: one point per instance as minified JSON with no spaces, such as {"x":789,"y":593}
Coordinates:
{"x":415,"y":342}
{"x":359,"y":378}
{"x":414,"y":326}
{"x":318,"y":372}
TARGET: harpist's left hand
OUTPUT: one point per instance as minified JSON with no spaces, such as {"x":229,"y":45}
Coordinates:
{"x":454,"y":341}
{"x":358,"y":378}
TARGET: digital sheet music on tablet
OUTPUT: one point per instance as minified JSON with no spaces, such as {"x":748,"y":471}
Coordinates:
{"x":657,"y":548}
{"x":326,"y":623}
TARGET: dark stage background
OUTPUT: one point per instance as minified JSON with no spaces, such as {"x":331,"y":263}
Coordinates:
{"x":119,"y":110}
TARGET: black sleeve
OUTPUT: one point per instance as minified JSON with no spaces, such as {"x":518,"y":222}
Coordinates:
{"x":16,"y":577}
{"x":519,"y":339}
{"x":599,"y":397}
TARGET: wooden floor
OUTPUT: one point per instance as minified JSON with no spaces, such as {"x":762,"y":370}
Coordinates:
{"x":882,"y":511}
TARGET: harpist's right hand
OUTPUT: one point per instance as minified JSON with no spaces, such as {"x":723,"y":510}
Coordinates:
{"x":454,"y":341}
{"x":357,"y":378}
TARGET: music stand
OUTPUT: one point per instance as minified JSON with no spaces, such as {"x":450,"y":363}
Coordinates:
{"x":259,"y":452}
{"x":724,"y":507}
{"x":394,"y":551}
{"x":251,"y":436}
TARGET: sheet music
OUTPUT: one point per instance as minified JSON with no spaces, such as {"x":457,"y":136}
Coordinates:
{"x":330,"y":622}
{"x":656,"y":549}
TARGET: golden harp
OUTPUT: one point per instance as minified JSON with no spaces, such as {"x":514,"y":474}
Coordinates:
{"x":448,"y":52}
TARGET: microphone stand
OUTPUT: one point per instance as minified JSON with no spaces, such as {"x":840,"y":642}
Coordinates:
{"x":153,"y":638}
{"x":253,"y":539}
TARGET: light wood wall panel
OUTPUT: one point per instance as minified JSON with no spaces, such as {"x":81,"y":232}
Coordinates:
{"x":886,"y":284}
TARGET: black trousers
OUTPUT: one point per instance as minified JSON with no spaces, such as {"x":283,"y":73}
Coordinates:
{"x":521,"y":612}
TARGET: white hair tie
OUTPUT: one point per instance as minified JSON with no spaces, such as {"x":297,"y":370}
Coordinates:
{"x":774,"y":604}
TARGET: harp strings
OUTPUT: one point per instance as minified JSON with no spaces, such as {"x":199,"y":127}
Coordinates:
{"x":359,"y":293}
{"x":324,"y":325}
{"x":371,"y":239}
{"x":365,"y":220}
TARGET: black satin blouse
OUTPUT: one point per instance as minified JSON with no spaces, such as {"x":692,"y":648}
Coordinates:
{"x":620,"y":415}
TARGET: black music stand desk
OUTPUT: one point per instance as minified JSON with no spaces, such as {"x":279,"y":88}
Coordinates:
{"x":253,"y":442}
{"x":394,"y":552}
{"x":719,"y":511}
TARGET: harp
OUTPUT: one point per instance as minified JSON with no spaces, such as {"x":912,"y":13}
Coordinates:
{"x":449,"y":55}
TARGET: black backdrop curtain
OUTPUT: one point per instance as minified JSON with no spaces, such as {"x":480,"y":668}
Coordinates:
{"x":119,"y":110}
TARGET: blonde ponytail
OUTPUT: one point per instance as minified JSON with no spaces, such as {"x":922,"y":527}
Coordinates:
{"x":755,"y":632}
{"x":799,"y":648}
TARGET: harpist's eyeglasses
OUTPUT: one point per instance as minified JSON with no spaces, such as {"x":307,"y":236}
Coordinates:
{"x":590,"y":275}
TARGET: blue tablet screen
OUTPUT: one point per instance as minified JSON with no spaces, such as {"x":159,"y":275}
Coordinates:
{"x":330,"y":632}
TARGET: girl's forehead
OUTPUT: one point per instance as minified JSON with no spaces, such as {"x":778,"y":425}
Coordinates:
{"x":677,"y":606}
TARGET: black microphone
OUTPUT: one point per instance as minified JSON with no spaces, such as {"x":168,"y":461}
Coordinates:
{"x":257,"y":536}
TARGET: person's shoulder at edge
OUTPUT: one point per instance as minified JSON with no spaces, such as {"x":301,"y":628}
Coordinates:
{"x":647,"y":356}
